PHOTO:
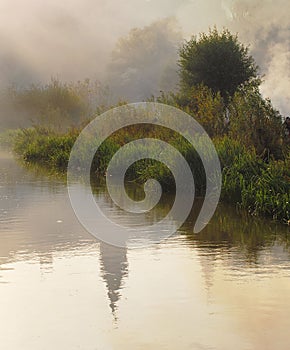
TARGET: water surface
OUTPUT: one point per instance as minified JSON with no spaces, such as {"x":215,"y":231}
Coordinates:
{"x":227,"y":287}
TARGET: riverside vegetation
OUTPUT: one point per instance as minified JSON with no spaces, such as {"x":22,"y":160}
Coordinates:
{"x":245,"y":128}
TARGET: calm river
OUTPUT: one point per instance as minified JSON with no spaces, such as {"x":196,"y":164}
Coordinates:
{"x":60,"y":289}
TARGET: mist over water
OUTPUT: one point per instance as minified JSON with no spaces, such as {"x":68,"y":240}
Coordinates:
{"x":74,"y":40}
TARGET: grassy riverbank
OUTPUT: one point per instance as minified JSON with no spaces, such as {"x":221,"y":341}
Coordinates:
{"x":261,"y":187}
{"x":249,"y":134}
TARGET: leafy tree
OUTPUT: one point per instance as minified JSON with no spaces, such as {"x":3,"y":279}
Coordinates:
{"x":217,"y":60}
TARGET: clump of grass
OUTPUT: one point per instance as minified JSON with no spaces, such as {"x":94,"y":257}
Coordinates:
{"x":269,"y":194}
{"x":43,"y":146}
{"x":260,"y":188}
{"x":239,"y":167}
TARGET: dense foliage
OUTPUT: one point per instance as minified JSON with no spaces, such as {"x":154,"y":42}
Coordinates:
{"x":217,"y":60}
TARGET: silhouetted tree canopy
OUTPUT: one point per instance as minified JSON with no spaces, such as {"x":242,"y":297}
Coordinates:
{"x":217,"y":60}
{"x":144,"y":61}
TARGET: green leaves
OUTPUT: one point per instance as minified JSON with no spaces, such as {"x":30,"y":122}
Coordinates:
{"x":218,"y":61}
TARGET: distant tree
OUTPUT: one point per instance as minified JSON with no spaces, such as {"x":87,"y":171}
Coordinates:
{"x":144,"y":61}
{"x":217,"y":60}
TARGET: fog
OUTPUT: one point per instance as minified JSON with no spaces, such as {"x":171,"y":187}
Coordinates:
{"x":78,"y":39}
{"x":265,"y":25}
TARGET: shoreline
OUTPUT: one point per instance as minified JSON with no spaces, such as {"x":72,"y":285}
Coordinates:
{"x":261,"y":188}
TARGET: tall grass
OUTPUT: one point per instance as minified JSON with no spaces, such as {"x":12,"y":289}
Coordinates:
{"x":248,"y":182}
{"x":259,"y":187}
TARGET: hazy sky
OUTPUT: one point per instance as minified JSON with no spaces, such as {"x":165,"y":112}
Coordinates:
{"x":73,"y":39}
